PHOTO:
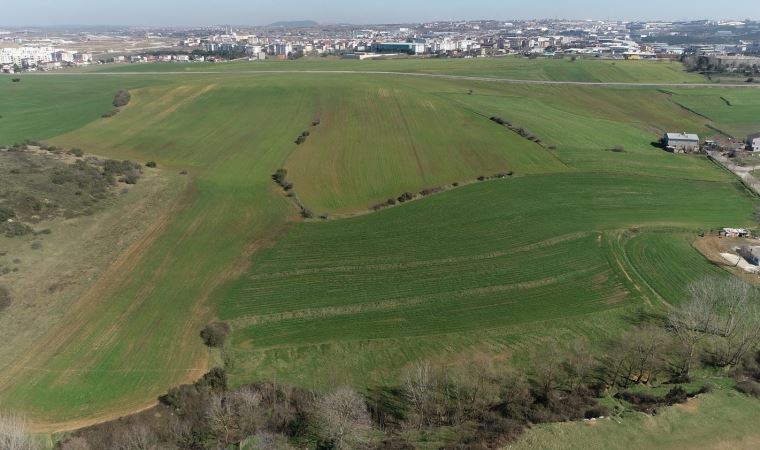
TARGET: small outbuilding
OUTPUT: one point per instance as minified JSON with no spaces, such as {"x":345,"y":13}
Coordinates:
{"x":750,"y":254}
{"x":735,"y":232}
{"x":753,"y":142}
{"x":681,"y":142}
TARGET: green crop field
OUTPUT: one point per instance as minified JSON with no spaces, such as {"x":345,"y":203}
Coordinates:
{"x":519,"y":68}
{"x":488,"y":267}
{"x":42,"y":107}
{"x":735,"y":112}
{"x":483,"y":257}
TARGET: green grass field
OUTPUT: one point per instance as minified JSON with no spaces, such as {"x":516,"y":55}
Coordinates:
{"x":490,"y":267}
{"x":40,"y":107}
{"x":484,"y":257}
{"x":735,"y":112}
{"x":720,"y":420}
{"x":518,"y":68}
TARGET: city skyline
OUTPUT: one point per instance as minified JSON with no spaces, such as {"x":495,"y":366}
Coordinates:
{"x":236,"y":12}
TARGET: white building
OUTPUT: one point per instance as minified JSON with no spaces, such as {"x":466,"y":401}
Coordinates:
{"x":681,"y":142}
{"x":30,"y":54}
{"x":753,"y":142}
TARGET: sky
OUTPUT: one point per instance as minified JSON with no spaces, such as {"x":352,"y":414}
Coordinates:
{"x":262,"y":12}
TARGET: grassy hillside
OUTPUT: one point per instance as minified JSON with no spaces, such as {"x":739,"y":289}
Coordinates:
{"x":481,"y":268}
{"x":483,"y":257}
{"x":40,"y":107}
{"x":135,"y":333}
{"x":378,"y":139}
{"x":586,"y":124}
{"x":510,"y":67}
{"x":734,"y":112}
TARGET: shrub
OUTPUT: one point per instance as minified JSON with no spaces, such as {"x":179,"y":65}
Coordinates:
{"x":279,"y":176}
{"x":216,"y":378}
{"x":430,"y":191}
{"x":151,"y":164}
{"x":15,"y":80}
{"x":110,"y":113}
{"x":306,"y":213}
{"x":676,"y":395}
{"x":36,"y":245}
{"x":183,"y":172}
{"x":749,"y":387}
{"x":405,"y":197}
{"x":6,"y":213}
{"x":596,"y":411}
{"x":121,"y":98}
{"x":76,"y":152}
{"x":15,"y":228}
{"x":481,"y":178}
{"x":315,"y":122}
{"x":215,"y":334}
{"x":5,"y":298}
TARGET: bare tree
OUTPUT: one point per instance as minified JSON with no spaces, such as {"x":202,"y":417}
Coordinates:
{"x":546,"y":365}
{"x":724,"y":311}
{"x":138,"y":437}
{"x":76,"y":443}
{"x":418,"y":383}
{"x":638,"y":356}
{"x":246,"y":403}
{"x":579,"y":363}
{"x":341,"y":417}
{"x":220,"y":414}
{"x":692,"y":320}
{"x":13,"y":433}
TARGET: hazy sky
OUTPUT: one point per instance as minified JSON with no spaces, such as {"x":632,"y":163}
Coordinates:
{"x":260,"y":12}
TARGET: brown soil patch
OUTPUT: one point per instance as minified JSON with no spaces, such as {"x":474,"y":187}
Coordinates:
{"x":712,"y":246}
{"x":691,"y":406}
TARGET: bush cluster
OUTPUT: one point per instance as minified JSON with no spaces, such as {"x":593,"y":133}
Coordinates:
{"x":215,"y":334}
{"x":302,"y":137}
{"x":519,"y":130}
{"x":121,"y":98}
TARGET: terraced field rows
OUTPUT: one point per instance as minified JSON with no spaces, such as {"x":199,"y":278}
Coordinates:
{"x":399,"y":274}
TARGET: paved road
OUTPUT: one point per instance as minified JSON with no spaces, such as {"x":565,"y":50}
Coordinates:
{"x":410,"y":74}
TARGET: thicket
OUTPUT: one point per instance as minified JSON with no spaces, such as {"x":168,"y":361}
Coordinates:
{"x":215,"y":334}
{"x":519,"y":130}
{"x":121,"y":98}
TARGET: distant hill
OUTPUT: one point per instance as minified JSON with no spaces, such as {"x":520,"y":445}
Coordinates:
{"x":294,"y":24}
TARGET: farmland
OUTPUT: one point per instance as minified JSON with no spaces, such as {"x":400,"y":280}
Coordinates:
{"x":472,"y":254}
{"x":485,"y":267}
{"x":508,"y":68}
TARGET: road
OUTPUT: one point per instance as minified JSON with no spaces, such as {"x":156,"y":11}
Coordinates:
{"x":743,"y":172}
{"x":410,"y":74}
